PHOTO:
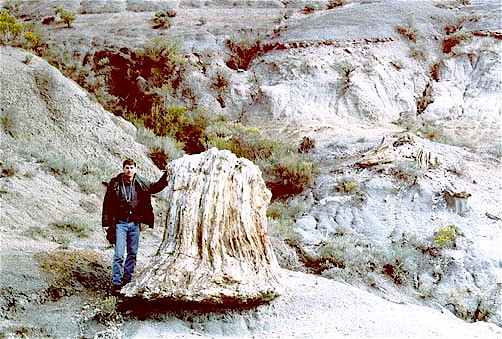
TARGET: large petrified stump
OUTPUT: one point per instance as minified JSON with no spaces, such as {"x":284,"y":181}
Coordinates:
{"x":215,"y":247}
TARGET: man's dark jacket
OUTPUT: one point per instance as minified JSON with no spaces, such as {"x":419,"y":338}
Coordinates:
{"x":112,"y":203}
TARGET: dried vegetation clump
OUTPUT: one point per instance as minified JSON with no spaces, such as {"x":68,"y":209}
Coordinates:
{"x":73,"y":271}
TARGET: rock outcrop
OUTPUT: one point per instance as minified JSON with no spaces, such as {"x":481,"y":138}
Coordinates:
{"x":388,"y":151}
{"x":215,"y":248}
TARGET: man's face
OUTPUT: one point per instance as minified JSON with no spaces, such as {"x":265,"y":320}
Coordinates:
{"x":129,"y":171}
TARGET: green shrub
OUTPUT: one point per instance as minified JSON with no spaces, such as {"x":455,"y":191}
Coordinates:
{"x":165,"y":48}
{"x":89,"y":205}
{"x":9,"y":121}
{"x":346,"y":68}
{"x":61,"y":57}
{"x":435,"y":131}
{"x":406,"y":170}
{"x":86,"y":174}
{"x":345,"y":256}
{"x":287,"y":209}
{"x":186,"y":127}
{"x":202,"y":21}
{"x":33,"y":40}
{"x":284,"y":229}
{"x":169,"y":146}
{"x":452,"y":4}
{"x":284,"y":170}
{"x":445,"y":236}
{"x":244,"y":142}
{"x":106,"y":310}
{"x":10,"y":28}
{"x":286,"y":173}
{"x":400,"y":263}
{"x":347,"y":186}
{"x":67,"y":16}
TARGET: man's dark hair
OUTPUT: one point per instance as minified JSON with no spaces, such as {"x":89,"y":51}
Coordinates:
{"x":129,"y":161}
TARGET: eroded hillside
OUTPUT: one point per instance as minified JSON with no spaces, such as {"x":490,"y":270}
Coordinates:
{"x":344,"y":77}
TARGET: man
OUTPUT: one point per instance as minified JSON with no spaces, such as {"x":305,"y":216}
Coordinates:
{"x":127,"y":203}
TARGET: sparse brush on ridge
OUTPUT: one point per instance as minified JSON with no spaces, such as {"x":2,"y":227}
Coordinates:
{"x":162,"y":19}
{"x":18,"y":34}
{"x":67,"y":16}
{"x":336,"y":3}
{"x":244,"y":49}
{"x":308,"y":9}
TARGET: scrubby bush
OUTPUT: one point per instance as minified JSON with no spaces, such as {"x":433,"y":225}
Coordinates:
{"x":347,"y":186}
{"x":185,"y":126}
{"x":410,"y":30}
{"x":220,"y":80}
{"x":445,"y":236}
{"x":62,"y":57}
{"x":436,"y":131}
{"x":33,"y":39}
{"x":106,"y":310}
{"x":17,"y":34}
{"x":306,"y":145}
{"x":400,"y":262}
{"x":10,"y":28}
{"x":335,"y":3}
{"x":285,"y":213}
{"x":454,"y":38}
{"x":308,"y":9}
{"x":67,"y":16}
{"x":285,"y":171}
{"x":245,"y":142}
{"x":165,"y":49}
{"x":202,"y":21}
{"x":161,"y":149}
{"x":452,"y":4}
{"x":10,"y":121}
{"x":406,"y":170}
{"x":8,"y":168}
{"x":346,"y":68}
{"x":163,"y":19}
{"x":243,"y":51}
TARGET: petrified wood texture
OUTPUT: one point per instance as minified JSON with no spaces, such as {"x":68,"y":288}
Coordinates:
{"x":215,"y":247}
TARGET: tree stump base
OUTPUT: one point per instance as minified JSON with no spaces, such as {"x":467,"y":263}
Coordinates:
{"x":216,"y":248}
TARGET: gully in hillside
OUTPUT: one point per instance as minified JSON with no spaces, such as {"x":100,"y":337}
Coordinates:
{"x":127,"y":203}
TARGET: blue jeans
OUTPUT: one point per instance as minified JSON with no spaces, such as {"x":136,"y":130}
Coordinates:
{"x":127,"y":237}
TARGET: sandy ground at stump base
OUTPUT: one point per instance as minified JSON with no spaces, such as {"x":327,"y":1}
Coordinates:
{"x":316,"y":307}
